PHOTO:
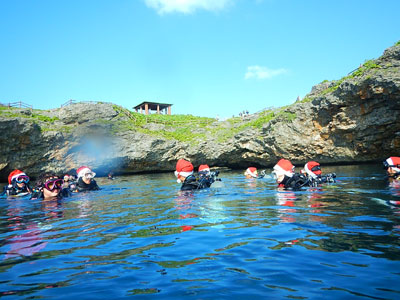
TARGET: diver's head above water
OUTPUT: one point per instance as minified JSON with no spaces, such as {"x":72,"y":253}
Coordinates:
{"x":184,"y":169}
{"x":86,"y":174}
{"x":204,"y":170}
{"x":312,"y":169}
{"x":283,"y":168}
{"x":251,"y":172}
{"x":392,"y":166}
{"x":18,"y":178}
{"x":50,"y":185}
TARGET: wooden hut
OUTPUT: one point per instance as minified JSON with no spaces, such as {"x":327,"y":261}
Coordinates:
{"x":148,"y":107}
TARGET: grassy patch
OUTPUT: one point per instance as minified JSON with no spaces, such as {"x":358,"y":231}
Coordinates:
{"x":44,"y":118}
{"x":181,"y":126}
{"x":170,"y":120}
{"x":224,"y":134}
{"x":263,"y":119}
{"x":183,"y":134}
{"x":334,"y":87}
{"x":366,"y":66}
{"x":307,"y":99}
{"x":11,"y":112}
{"x":268,"y":116}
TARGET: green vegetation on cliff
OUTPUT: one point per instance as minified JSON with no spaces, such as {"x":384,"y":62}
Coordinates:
{"x":188,"y":128}
{"x":364,"y":69}
{"x":35,"y":114}
{"x":367,"y":66}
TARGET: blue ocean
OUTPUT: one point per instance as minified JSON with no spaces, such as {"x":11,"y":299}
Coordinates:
{"x":141,"y":237}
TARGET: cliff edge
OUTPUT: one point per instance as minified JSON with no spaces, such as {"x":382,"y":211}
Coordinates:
{"x":351,"y":120}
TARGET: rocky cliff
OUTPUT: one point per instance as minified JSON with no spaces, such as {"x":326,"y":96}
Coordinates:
{"x":351,"y":120}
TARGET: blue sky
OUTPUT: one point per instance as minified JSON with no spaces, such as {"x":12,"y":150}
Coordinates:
{"x":206,"y":57}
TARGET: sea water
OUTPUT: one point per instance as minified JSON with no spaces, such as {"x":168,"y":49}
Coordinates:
{"x":140,"y":237}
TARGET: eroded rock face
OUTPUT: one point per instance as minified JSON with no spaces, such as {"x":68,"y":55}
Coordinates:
{"x":349,"y":121}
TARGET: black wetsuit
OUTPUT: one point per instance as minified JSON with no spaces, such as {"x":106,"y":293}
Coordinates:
{"x":327,"y":178}
{"x":13,"y":189}
{"x":38,"y":194}
{"x":196,"y":183}
{"x":295,"y":182}
{"x":82,"y":186}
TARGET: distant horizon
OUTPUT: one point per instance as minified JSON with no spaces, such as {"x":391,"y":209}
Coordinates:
{"x":207,"y":58}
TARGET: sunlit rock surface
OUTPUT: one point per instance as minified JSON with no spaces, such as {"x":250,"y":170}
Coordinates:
{"x":352,"y":120}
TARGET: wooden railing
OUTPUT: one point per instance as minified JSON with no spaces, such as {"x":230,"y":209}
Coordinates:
{"x":68,"y":102}
{"x":18,"y":104}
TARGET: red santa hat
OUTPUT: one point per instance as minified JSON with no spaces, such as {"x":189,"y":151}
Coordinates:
{"x":204,"y":168}
{"x":83,"y":170}
{"x":313,"y":169}
{"x":15,"y":174}
{"x":183,"y":168}
{"x":285,"y":167}
{"x":394,"y":163}
{"x":251,"y":171}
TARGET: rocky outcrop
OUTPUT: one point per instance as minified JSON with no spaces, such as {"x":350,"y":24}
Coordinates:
{"x":352,"y":120}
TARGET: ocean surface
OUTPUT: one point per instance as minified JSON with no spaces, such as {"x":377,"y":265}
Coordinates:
{"x":141,"y":237}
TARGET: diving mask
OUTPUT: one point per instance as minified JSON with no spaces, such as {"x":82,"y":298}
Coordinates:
{"x":53,"y":184}
{"x":22,"y":179}
{"x":89,"y":175}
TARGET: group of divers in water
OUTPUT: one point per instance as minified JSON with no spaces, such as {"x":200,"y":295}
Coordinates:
{"x":50,"y":186}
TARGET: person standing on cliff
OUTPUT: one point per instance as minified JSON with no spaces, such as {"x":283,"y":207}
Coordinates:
{"x":18,"y":184}
{"x":86,"y":180}
{"x":392,"y":167}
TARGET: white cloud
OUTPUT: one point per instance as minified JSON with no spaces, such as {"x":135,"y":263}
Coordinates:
{"x":259,"y":72}
{"x":186,"y":6}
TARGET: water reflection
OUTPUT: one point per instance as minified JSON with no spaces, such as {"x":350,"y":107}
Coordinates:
{"x":394,"y":188}
{"x":53,"y":209}
{"x":146,"y":237}
{"x":286,"y":199}
{"x":184,"y":207}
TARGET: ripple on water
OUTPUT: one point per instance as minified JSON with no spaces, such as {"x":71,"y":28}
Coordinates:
{"x":140,"y":236}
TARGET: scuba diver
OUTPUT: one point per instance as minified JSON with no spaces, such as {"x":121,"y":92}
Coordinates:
{"x":206,"y":177}
{"x":50,"y":186}
{"x":392,"y":167}
{"x":204,"y":170}
{"x":286,"y":178}
{"x":86,"y":180}
{"x":70,"y":182}
{"x":18,"y":184}
{"x":184,"y":175}
{"x":312,"y":170}
{"x":251,"y":172}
